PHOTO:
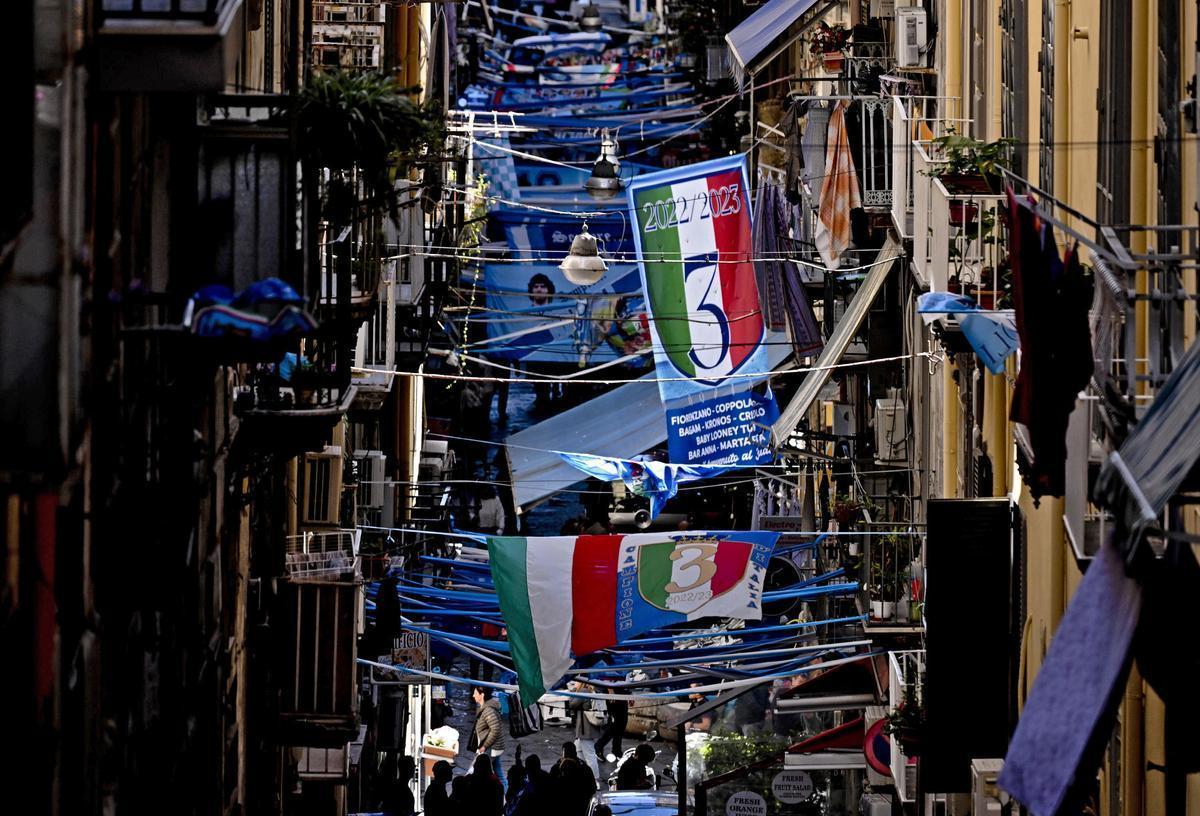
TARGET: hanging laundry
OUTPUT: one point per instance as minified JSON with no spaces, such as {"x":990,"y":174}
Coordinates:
{"x":784,"y":299}
{"x":839,"y":191}
{"x":1051,"y":300}
{"x":992,"y":333}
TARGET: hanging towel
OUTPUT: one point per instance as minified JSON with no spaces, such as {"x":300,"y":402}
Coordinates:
{"x":839,"y":191}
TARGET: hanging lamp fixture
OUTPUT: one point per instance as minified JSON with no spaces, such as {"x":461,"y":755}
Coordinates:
{"x":589,"y":19}
{"x":583,"y":265}
{"x":605,"y":180}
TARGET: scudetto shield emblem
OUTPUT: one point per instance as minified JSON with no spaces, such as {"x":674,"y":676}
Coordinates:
{"x":682,"y":576}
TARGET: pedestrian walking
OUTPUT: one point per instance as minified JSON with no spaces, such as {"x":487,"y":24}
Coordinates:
{"x":437,"y":802}
{"x":460,"y":794}
{"x":574,"y":783}
{"x":516,"y":782}
{"x":489,"y":732}
{"x":485,"y":795}
{"x":537,"y":796}
{"x":585,"y":732}
{"x":618,"y":720}
{"x":398,"y":799}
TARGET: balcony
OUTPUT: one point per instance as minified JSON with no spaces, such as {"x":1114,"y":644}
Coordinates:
{"x":351,"y":249}
{"x":322,"y":555}
{"x":348,"y":36}
{"x":317,"y":648}
{"x":915,"y":126}
{"x":289,"y":407}
{"x":906,"y":680}
{"x":169,"y":46}
{"x":893,"y":580}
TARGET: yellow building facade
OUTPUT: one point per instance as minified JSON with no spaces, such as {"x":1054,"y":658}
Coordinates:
{"x":1081,"y":62}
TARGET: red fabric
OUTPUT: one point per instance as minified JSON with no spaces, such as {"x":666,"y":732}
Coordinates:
{"x":731,"y":561}
{"x":739,"y":284}
{"x":594,"y":593}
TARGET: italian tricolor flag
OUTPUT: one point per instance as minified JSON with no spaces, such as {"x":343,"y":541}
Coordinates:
{"x":694,"y":239}
{"x":564,"y":596}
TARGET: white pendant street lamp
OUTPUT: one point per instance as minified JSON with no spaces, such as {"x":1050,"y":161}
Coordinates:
{"x":583,"y":265}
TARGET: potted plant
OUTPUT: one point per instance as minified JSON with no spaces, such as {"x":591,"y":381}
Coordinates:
{"x":364,"y":120}
{"x":971,"y":166}
{"x":828,"y":42}
{"x":906,"y":722}
{"x":304,"y":382}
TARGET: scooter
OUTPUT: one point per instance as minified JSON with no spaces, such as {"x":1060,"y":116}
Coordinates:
{"x":651,"y":776}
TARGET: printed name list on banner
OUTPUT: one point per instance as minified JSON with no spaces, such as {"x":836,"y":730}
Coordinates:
{"x":693,"y":238}
{"x":734,"y":430}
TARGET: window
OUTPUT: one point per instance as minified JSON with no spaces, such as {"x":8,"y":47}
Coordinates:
{"x":1014,"y":79}
{"x":1113,"y":103}
{"x":16,"y":178}
{"x":1046,"y":126}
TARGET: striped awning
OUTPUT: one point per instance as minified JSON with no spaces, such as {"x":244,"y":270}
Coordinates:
{"x":761,"y":37}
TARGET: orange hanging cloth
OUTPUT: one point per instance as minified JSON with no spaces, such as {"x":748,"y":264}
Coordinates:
{"x":839,"y":191}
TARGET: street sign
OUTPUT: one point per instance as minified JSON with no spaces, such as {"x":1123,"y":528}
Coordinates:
{"x":409,"y":651}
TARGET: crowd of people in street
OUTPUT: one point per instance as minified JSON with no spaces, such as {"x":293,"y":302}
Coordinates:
{"x":525,"y":788}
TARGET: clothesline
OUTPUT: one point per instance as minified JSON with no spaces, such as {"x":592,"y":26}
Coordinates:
{"x":755,"y":376}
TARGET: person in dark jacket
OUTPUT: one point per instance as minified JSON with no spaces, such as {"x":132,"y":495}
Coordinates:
{"x":460,"y":794}
{"x":632,"y":775}
{"x":538,"y":794}
{"x":574,"y":783}
{"x":485,"y":796}
{"x":618,"y":719}
{"x":437,"y":803}
{"x":489,"y":730}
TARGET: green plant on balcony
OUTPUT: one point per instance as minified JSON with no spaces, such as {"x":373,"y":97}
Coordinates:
{"x":972,"y":166}
{"x":890,"y":557}
{"x":906,"y":722}
{"x":364,"y":120}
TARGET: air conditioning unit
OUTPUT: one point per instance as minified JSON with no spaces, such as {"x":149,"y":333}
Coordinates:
{"x":371,"y":476}
{"x":912,"y":36}
{"x":891,"y":431}
{"x":321,"y":500}
{"x":985,"y":796}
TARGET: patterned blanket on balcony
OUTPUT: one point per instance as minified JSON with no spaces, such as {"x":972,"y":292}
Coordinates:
{"x":266,"y":310}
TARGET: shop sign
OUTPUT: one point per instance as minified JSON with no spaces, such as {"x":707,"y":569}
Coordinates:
{"x":745,"y":803}
{"x":792,"y":787}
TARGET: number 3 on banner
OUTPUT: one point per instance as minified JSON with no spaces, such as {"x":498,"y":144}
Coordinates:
{"x":693,"y":274}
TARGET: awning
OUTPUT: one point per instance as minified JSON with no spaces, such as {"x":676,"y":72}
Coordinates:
{"x":1158,"y":454}
{"x":847,"y":327}
{"x":756,"y":40}
{"x":622,"y":423}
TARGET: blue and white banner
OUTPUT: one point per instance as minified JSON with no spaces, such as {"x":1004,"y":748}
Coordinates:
{"x":537,"y":315}
{"x":726,"y":429}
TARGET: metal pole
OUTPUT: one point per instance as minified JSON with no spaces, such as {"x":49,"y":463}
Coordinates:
{"x":753,"y":140}
{"x":681,"y":769}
